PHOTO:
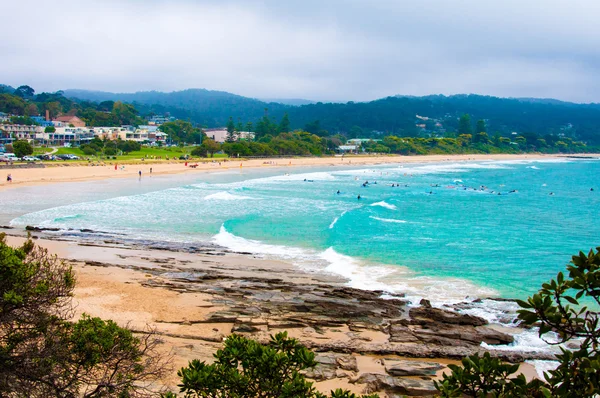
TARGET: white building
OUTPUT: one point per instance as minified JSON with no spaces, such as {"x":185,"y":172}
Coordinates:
{"x":21,"y":131}
{"x":220,"y":135}
{"x":66,"y":135}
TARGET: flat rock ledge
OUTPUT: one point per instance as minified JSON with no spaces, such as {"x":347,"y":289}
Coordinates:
{"x":346,"y":327}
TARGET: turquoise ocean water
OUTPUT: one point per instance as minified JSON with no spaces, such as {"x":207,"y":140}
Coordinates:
{"x":448,"y":231}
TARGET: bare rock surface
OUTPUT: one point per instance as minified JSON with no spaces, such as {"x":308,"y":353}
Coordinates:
{"x":395,"y":367}
{"x":377,"y":344}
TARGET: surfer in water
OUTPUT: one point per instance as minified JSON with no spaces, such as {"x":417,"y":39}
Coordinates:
{"x":358,"y":197}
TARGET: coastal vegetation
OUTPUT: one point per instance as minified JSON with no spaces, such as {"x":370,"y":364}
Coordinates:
{"x":565,"y":310}
{"x":24,"y":103}
{"x":394,"y":115}
{"x":43,"y":352}
{"x":246,"y":368}
{"x":22,"y":148}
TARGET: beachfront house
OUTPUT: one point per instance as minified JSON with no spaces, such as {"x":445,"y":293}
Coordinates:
{"x":68,"y":121}
{"x":5,"y":137}
{"x":220,"y":135}
{"x":158,"y":120}
{"x":42,"y":121}
{"x":66,"y":135}
{"x":22,"y":131}
{"x":347,"y":149}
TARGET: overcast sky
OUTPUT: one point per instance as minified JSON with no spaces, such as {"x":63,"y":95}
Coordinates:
{"x":338,"y":50}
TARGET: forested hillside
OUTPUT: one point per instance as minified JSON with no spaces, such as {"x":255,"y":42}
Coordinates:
{"x":392,"y":115}
{"x":204,"y":107}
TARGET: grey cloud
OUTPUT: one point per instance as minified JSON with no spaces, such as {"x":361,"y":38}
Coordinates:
{"x":323,"y":50}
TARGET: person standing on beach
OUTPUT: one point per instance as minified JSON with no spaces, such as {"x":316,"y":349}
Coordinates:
{"x":140,"y":173}
{"x":150,"y":170}
{"x":8,"y":178}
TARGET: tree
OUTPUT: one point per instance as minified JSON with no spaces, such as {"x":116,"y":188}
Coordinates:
{"x":481,"y":128}
{"x":284,"y":125}
{"x":180,"y":131}
{"x":31,"y":110}
{"x":246,"y":368}
{"x":128,"y":146}
{"x":355,"y":132}
{"x":50,"y":129}
{"x":230,"y":131}
{"x":464,"y":124}
{"x":88,"y":150}
{"x":24,"y":92}
{"x":126,"y":114}
{"x":22,"y":148}
{"x":562,"y":306}
{"x":313,"y":127}
{"x":264,"y":126}
{"x":42,"y":354}
{"x":54,"y":108}
{"x":211,"y":146}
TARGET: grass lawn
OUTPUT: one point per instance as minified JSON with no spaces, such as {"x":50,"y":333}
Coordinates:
{"x":40,"y":150}
{"x":147,"y":153}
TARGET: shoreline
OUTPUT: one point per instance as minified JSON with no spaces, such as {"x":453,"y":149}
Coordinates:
{"x":196,"y":299}
{"x":75,"y":172}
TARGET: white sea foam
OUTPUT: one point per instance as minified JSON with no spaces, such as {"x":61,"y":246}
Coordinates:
{"x":393,"y":279}
{"x":391,"y":220}
{"x":359,"y":276}
{"x":335,"y":220}
{"x":543,"y":366}
{"x":533,"y":167}
{"x":527,"y":340}
{"x":494,"y":311}
{"x":236,"y":243}
{"x":529,"y":161}
{"x":316,"y":176}
{"x":226,"y":196}
{"x":385,"y":204}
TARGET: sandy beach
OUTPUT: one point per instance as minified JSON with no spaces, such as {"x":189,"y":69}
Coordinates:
{"x":70,"y":172}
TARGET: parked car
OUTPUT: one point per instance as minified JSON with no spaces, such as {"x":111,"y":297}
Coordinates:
{"x":48,"y":157}
{"x":67,"y":156}
{"x":30,"y":158}
{"x":9,"y":157}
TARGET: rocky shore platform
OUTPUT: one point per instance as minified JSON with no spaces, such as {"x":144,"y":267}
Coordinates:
{"x":366,"y":341}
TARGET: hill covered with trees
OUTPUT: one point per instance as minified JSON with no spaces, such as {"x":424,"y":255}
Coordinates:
{"x":404,"y":116}
{"x":24,"y":103}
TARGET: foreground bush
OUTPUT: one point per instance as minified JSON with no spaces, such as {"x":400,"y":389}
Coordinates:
{"x":556,"y":309}
{"x":246,"y":368}
{"x":43,"y":354}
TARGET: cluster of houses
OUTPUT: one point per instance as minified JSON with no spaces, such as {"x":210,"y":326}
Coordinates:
{"x":72,"y":130}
